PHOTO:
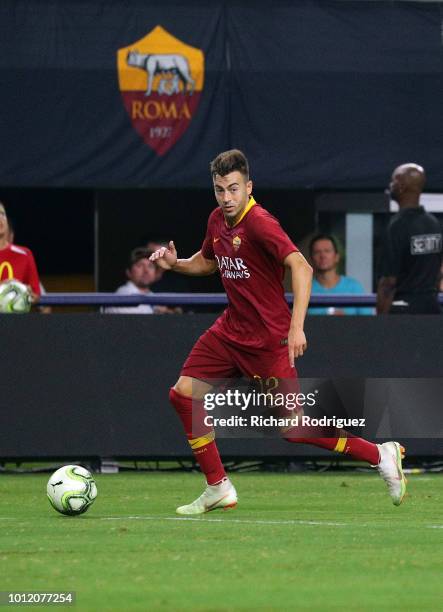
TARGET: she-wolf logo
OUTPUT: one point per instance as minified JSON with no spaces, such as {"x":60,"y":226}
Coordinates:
{"x":161,"y":80}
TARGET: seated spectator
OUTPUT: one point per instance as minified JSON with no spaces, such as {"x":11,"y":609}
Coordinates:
{"x":325,"y":259}
{"x":16,"y":261}
{"x":141,"y":274}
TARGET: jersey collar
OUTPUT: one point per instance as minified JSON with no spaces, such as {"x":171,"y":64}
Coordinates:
{"x":249,"y":205}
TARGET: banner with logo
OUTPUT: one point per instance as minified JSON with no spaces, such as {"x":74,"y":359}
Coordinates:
{"x":161,"y":91}
{"x":144,"y":94}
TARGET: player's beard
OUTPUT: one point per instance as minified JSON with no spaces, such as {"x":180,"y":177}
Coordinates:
{"x":230,"y":211}
{"x":233,"y":213}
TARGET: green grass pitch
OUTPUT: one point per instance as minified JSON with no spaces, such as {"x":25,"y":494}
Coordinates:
{"x":295,"y":542}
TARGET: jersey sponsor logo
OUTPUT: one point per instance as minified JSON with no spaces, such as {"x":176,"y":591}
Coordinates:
{"x":426,"y":244}
{"x":5,"y":265}
{"x":232,"y":267}
{"x":161,"y":80}
{"x":236,"y":242}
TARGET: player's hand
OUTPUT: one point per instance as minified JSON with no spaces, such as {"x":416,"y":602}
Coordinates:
{"x":296,"y":344}
{"x":166,"y":257}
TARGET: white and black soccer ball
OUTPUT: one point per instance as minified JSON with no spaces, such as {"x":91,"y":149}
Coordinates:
{"x":14,"y":297}
{"x":71,"y":490}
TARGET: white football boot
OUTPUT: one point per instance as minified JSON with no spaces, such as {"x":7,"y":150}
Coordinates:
{"x":389,"y":468}
{"x":222,"y":495}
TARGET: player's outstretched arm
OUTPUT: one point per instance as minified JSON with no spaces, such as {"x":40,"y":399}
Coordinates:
{"x":197,"y":265}
{"x":301,"y":274}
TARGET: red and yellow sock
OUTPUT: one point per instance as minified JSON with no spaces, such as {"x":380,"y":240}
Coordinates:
{"x":201,"y":438}
{"x":336,"y":440}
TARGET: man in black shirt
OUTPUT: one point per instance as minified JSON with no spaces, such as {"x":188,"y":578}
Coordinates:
{"x":412,"y":250}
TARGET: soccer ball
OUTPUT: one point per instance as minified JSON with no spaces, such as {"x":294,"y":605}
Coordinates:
{"x":71,"y":490}
{"x":14,"y":297}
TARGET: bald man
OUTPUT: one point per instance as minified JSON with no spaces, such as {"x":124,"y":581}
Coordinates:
{"x":412,"y":250}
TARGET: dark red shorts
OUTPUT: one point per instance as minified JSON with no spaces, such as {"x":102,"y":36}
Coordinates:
{"x":213,"y":358}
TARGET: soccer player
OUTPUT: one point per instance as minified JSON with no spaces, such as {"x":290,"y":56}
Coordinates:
{"x":256,"y":336}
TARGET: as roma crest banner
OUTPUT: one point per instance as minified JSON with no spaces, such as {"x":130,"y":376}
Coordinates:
{"x":161,"y":79}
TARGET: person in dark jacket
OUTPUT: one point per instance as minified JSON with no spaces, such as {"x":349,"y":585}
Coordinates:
{"x":412,"y":250}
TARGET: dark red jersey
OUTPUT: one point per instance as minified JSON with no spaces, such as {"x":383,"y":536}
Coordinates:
{"x":18,"y":262}
{"x":250,"y":259}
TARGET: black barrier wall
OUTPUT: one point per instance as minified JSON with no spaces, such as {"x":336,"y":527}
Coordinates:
{"x":97,"y":385}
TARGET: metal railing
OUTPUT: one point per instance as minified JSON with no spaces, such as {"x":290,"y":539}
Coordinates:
{"x":194,"y":299}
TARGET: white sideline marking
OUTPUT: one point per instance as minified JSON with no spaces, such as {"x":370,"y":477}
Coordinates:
{"x":219,"y":520}
{"x":204,"y":519}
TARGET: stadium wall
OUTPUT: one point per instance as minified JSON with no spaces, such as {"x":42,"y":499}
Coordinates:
{"x":97,"y":385}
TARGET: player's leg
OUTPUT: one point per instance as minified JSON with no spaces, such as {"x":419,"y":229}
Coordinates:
{"x":207,"y":360}
{"x":338,"y":440}
{"x":387,"y":457}
{"x":187,"y":398}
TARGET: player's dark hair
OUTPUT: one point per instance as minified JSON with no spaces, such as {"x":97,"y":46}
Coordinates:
{"x":230,"y":161}
{"x":323,"y":237}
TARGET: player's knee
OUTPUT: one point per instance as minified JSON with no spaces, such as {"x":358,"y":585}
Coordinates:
{"x":192,"y":387}
{"x":184,"y":386}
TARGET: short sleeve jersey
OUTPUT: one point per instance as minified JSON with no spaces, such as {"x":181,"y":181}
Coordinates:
{"x":250,"y":259}
{"x":18,"y":262}
{"x":412,"y":252}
